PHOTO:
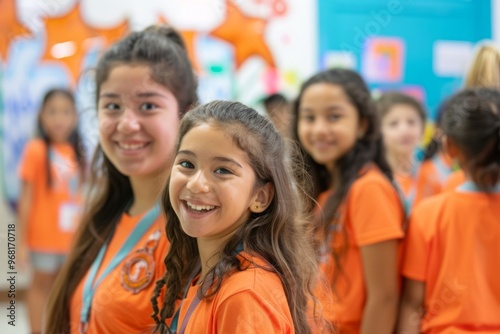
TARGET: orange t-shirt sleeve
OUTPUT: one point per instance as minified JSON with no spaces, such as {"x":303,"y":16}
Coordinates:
{"x":375,"y":213}
{"x":31,"y":161}
{"x":248,"y":312}
{"x":418,"y":242}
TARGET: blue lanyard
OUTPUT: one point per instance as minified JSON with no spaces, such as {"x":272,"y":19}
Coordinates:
{"x":443,"y":170}
{"x":471,"y":187}
{"x":410,"y":199}
{"x":58,"y":160}
{"x":175,"y":320}
{"x":90,"y":287}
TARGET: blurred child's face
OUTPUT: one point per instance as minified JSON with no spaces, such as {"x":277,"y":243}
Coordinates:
{"x":212,"y":185}
{"x":328,"y":123}
{"x":402,"y":129}
{"x":138,"y":121}
{"x":58,"y":118}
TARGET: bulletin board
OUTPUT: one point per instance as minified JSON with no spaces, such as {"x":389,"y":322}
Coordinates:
{"x":421,"y":47}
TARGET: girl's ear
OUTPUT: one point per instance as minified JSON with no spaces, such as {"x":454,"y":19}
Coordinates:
{"x":262,"y":198}
{"x":452,"y":149}
{"x":362,"y":127}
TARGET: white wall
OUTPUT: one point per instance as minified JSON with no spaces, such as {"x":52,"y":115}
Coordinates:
{"x":495,"y":20}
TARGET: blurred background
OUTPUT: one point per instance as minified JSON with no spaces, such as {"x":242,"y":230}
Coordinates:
{"x":241,"y":49}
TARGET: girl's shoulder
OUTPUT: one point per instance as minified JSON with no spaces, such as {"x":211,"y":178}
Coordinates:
{"x":254,"y":274}
{"x":34,"y":150}
{"x":372,"y":175}
{"x":35,"y":145}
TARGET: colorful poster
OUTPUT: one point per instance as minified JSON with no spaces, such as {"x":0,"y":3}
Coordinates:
{"x":383,"y":60}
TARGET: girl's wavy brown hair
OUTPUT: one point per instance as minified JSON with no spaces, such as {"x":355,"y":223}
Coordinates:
{"x":278,"y":235}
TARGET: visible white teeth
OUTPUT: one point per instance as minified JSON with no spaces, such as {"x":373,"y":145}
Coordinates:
{"x":200,"y":207}
{"x":131,"y":146}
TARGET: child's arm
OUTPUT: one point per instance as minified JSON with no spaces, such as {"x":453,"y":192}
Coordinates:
{"x":24,"y":207}
{"x":381,"y":277}
{"x":411,"y":309}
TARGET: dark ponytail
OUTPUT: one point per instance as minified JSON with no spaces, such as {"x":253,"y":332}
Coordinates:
{"x":471,"y":121}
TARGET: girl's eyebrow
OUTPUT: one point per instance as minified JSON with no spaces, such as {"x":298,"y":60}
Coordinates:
{"x":225,"y":159}
{"x":109,"y":95}
{"x":222,"y":159}
{"x":150,"y":94}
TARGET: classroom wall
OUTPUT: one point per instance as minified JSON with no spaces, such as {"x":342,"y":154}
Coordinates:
{"x":417,"y":46}
{"x":58,"y":42}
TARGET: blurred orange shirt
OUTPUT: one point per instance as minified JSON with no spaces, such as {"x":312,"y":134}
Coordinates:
{"x":454,"y":248}
{"x":428,"y":180}
{"x":372,"y":213}
{"x":455,"y":180}
{"x":249,"y":301}
{"x":121,"y":303}
{"x":54,"y":213}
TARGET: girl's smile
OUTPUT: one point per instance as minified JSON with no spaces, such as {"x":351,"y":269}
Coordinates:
{"x":212,"y":185}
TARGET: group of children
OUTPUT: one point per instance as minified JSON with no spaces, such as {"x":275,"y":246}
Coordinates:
{"x":204,"y":219}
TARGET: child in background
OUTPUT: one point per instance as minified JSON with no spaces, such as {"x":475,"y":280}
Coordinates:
{"x":451,"y":264}
{"x":238,"y":254}
{"x":484,"y":72}
{"x":402,"y":125}
{"x":144,"y":85}
{"x":51,"y":171}
{"x":485,"y":67}
{"x":278,"y":110}
{"x":362,"y":215}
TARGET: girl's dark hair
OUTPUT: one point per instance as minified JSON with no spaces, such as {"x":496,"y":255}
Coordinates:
{"x":74,"y":139}
{"x":390,"y":99}
{"x":162,"y":49}
{"x":277,"y":235}
{"x":434,"y":145}
{"x":471,"y":120}
{"x":366,"y":150}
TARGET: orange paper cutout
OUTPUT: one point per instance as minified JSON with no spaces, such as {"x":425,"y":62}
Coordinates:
{"x":71,"y":28}
{"x":189,"y":37}
{"x":10,"y":26}
{"x":246,"y":34}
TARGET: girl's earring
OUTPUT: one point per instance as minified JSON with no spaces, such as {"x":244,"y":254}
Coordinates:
{"x":256,"y":207}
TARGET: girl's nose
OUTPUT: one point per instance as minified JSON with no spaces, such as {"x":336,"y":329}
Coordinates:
{"x":319,"y":127}
{"x":198,"y":183}
{"x":128,"y":122}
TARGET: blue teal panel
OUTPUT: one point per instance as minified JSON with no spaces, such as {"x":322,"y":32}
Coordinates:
{"x":344,"y":24}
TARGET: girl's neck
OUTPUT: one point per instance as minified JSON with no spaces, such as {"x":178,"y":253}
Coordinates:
{"x":210,"y":250}
{"x":147,"y":191}
{"x":401,"y":164}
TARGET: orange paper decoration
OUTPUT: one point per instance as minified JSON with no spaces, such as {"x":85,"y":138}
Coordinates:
{"x":189,"y":37}
{"x":10,"y":27}
{"x":71,"y":28}
{"x":246,"y":34}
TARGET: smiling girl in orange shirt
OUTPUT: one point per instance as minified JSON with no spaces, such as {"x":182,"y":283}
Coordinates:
{"x":238,"y":253}
{"x":362,"y":215}
{"x":144,"y":85}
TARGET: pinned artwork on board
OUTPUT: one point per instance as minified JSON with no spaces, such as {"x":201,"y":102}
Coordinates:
{"x":383,"y":60}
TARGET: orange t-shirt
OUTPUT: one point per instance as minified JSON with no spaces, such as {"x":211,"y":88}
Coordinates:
{"x":455,"y":180}
{"x":372,"y":213}
{"x":54,"y":210}
{"x":249,"y":301}
{"x":454,"y":248}
{"x":121,"y":303}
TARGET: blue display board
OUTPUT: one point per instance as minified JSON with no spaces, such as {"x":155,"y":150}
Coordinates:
{"x":414,"y":45}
